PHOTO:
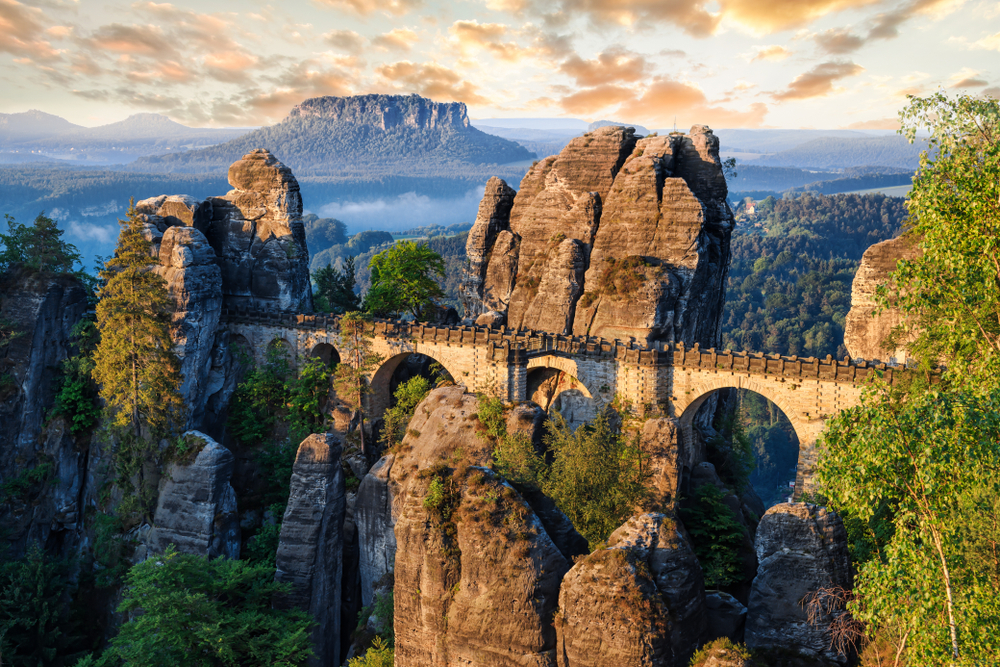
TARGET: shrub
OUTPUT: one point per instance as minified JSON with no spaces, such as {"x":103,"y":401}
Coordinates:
{"x":717,"y":535}
{"x":381,"y":654}
{"x":396,"y":419}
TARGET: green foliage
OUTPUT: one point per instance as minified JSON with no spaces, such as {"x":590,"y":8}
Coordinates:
{"x":774,"y":443}
{"x":179,"y":606}
{"x":77,"y":393}
{"x":335,"y":288}
{"x":738,"y":652}
{"x":39,"y":247}
{"x":514,"y":455}
{"x":731,"y":451}
{"x":259,"y":399}
{"x":408,"y":394}
{"x":381,"y":654}
{"x":789,"y":284}
{"x":17,"y":488}
{"x":717,"y":535}
{"x":934,"y":457}
{"x":134,"y":363}
{"x":263,"y":547}
{"x":597,"y":476}
{"x":308,"y":396}
{"x":951,"y":290}
{"x":357,"y":361}
{"x":405,"y":280}
{"x":109,"y":550}
{"x":322,"y":233}
{"x":36,"y":628}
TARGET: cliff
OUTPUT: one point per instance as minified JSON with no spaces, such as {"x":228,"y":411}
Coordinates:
{"x":617,"y":236}
{"x":866,"y":329}
{"x":364,"y":134}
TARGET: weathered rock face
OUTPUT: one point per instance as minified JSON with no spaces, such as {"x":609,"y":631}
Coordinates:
{"x":196,"y":509}
{"x":255,"y":230}
{"x":640,"y":601}
{"x":310,"y":555}
{"x":865,"y":331}
{"x":727,"y":617}
{"x":646,"y":223}
{"x":43,"y":309}
{"x":375,"y":520}
{"x":670,"y":460}
{"x":801,"y":548}
{"x":386,"y":111}
{"x":194,"y":283}
{"x":476,"y":574}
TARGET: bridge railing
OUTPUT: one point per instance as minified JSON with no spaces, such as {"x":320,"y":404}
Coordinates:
{"x":523,"y":343}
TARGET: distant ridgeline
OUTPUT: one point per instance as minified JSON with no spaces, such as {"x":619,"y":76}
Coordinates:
{"x":364,"y":137}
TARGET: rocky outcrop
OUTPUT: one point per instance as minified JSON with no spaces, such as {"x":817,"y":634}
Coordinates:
{"x":310,"y":547}
{"x":670,"y":462}
{"x":476,"y":574}
{"x":801,"y":548}
{"x":373,"y":516}
{"x":255,"y":230}
{"x":727,"y":617}
{"x":194,"y":283}
{"x":385,"y":111}
{"x":646,"y":223}
{"x":42,"y":310}
{"x":640,"y":601}
{"x":196,"y":509}
{"x":866,"y":329}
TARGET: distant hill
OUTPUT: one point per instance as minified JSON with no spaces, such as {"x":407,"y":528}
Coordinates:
{"x":775,"y":140}
{"x":364,"y":136}
{"x":639,"y":129}
{"x":31,"y":125}
{"x":839,"y":153}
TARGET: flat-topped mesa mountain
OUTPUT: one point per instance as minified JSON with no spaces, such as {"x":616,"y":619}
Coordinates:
{"x":360,"y":134}
{"x":618,"y":236}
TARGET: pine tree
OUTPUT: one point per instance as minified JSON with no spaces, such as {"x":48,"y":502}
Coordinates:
{"x":135,"y":365}
{"x":357,"y":361}
{"x":335,"y":288}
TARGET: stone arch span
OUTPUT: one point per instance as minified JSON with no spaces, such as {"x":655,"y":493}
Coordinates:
{"x":327,"y":352}
{"x":380,"y":393}
{"x":554,"y":382}
{"x":807,"y":430}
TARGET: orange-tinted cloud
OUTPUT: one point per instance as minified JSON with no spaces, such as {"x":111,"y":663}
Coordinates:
{"x":431,"y":80}
{"x":21,"y":32}
{"x":991,"y":42}
{"x":666,"y":99}
{"x":818,"y":81}
{"x":773,"y":52}
{"x":591,"y":100}
{"x":992,"y":91}
{"x":366,"y":7}
{"x":886,"y":25}
{"x":345,"y":40}
{"x":690,"y":15}
{"x":774,"y":15}
{"x":839,"y":41}
{"x":613,"y":66}
{"x":399,"y":39}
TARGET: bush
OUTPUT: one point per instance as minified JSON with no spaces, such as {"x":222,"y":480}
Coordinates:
{"x":381,"y":654}
{"x":220,"y":610}
{"x":408,"y":394}
{"x":717,"y":535}
{"x":258,"y":399}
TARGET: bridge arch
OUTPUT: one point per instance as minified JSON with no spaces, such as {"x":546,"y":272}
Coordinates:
{"x":806,"y":430}
{"x":327,"y":352}
{"x":380,"y":385}
{"x":554,"y":382}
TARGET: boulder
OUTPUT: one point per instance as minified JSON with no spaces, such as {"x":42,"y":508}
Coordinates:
{"x":194,"y":282}
{"x":801,"y":548}
{"x":196,"y":508}
{"x":491,"y":319}
{"x":726,"y":616}
{"x":310,"y":547}
{"x":866,"y":329}
{"x":640,"y":601}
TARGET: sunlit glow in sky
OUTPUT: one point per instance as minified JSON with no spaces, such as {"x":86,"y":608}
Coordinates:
{"x":725,"y":63}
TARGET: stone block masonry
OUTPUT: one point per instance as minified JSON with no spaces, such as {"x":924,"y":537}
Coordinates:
{"x":663,"y":378}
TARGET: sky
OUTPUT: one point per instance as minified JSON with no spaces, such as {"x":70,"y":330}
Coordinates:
{"x":725,"y":63}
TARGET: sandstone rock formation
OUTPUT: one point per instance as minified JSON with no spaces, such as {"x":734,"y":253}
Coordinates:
{"x":42,"y":309}
{"x":255,"y":230}
{"x":196,"y":509}
{"x":640,"y":601}
{"x":670,"y":459}
{"x":616,"y":237}
{"x":373,"y":516}
{"x":865,"y":331}
{"x":194,"y":283}
{"x":310,"y":555}
{"x":801,"y":548}
{"x":476,"y":574}
{"x":726,"y":616}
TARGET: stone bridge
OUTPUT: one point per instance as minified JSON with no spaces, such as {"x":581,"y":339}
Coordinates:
{"x":580,"y":374}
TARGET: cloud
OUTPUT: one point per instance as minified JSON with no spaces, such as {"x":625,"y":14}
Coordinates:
{"x":398,"y":39}
{"x":133,"y":40}
{"x":992,"y":42}
{"x":968,"y":78}
{"x":508,"y":44}
{"x":345,"y":40}
{"x":887,"y":24}
{"x":818,"y":81}
{"x":404,"y":211}
{"x":993,"y":91}
{"x":775,"y":15}
{"x":88,"y":231}
{"x":366,"y":7}
{"x":589,"y":101}
{"x":431,"y":80}
{"x":773,"y":52}
{"x":667,"y":98}
{"x":612,"y":66}
{"x":875,"y":124}
{"x":839,"y":41}
{"x":21,"y":32}
{"x":689,"y":15}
